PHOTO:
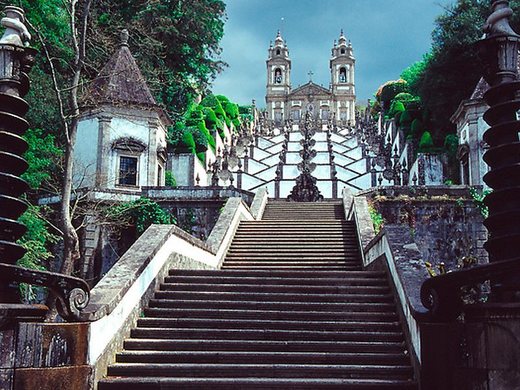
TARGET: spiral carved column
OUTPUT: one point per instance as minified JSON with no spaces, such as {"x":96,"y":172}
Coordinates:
{"x":500,"y":54}
{"x":15,"y":61}
{"x":72,"y":293}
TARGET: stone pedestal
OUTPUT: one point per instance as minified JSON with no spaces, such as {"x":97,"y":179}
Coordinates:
{"x":481,"y":353}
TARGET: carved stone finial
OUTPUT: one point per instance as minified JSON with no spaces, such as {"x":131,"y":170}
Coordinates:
{"x":124,"y":37}
{"x":498,"y":22}
{"x":15,"y":31}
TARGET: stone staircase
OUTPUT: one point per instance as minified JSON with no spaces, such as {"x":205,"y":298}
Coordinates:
{"x":290,"y":309}
{"x":339,"y":162}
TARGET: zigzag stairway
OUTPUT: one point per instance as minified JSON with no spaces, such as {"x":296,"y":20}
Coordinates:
{"x":291,"y":308}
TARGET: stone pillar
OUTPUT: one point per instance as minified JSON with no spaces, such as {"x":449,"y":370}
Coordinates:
{"x":103,"y":152}
{"x":152,"y":153}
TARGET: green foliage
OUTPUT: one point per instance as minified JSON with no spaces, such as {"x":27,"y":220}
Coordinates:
{"x":426,"y":142}
{"x":396,"y":106}
{"x":389,"y":90}
{"x":416,"y":127}
{"x":169,"y":179}
{"x":202,"y":157}
{"x":414,"y":72}
{"x":140,"y":213}
{"x":36,"y":241}
{"x":211,"y":120}
{"x":478,"y":199}
{"x":453,"y":68}
{"x":451,"y":144}
{"x":406,"y":118}
{"x":212,"y":102}
{"x":237,"y":123}
{"x":188,"y":142}
{"x":41,"y":155}
{"x":199,"y":138}
{"x":377,"y":218}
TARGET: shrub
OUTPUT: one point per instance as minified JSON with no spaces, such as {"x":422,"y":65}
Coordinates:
{"x":199,"y":138}
{"x":426,"y":142}
{"x":389,"y":90}
{"x":212,"y":102}
{"x":141,"y":213}
{"x":417,"y":127}
{"x":451,"y":144}
{"x":397,"y":106}
{"x":188,"y":142}
{"x":211,"y":120}
{"x":169,"y":179}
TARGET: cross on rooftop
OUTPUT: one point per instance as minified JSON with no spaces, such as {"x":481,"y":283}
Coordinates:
{"x":311,"y":73}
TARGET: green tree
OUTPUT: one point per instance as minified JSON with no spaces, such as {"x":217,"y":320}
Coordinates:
{"x":453,"y":68}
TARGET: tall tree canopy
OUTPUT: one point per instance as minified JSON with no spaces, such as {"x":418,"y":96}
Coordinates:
{"x":450,"y":72}
{"x":175,"y":42}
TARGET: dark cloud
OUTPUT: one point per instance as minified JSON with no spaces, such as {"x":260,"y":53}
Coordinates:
{"x":387,"y":36}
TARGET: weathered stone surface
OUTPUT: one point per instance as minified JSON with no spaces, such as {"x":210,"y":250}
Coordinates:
{"x":348,"y":201}
{"x":363,"y":221}
{"x":224,"y":224}
{"x":74,"y":377}
{"x":7,"y":347}
{"x":52,"y":344}
{"x":259,"y":203}
{"x":6,"y":378}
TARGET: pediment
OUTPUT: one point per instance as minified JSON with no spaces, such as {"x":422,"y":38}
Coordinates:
{"x":310,"y":89}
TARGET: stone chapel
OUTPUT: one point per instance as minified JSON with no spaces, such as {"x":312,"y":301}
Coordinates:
{"x":122,"y":130}
{"x":338,"y":100}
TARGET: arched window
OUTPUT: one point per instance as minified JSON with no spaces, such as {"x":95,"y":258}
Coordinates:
{"x":277,"y":52}
{"x":277,"y":76}
{"x":342,"y":75}
{"x":342,"y":50}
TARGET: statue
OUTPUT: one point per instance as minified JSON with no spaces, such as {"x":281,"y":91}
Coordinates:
{"x":15,"y":31}
{"x":498,"y":22}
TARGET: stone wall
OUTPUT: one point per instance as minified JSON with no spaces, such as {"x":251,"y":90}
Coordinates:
{"x":443,"y":221}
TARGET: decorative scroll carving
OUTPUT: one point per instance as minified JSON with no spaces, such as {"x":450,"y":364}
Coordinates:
{"x":73,"y":293}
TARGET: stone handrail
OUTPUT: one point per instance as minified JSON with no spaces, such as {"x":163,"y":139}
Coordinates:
{"x":402,"y":259}
{"x":118,"y":299}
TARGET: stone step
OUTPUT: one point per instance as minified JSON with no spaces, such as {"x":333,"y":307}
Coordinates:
{"x":291,"y":222}
{"x":162,"y":383}
{"x":257,"y":305}
{"x":289,"y":253}
{"x":263,"y":370}
{"x":294,"y":237}
{"x":353,"y":288}
{"x":237,"y":357}
{"x":264,"y":334}
{"x":264,"y":346}
{"x":304,"y":315}
{"x":351,"y":278}
{"x":273,"y":297}
{"x":219,"y":323}
{"x":282,"y":266}
{"x":295,"y":274}
{"x":292,"y":260}
{"x":304,"y":229}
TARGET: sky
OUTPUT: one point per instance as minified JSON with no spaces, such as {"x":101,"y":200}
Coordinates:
{"x":387,"y":36}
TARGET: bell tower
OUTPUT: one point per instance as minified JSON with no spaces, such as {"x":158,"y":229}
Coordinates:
{"x":278,"y":80}
{"x":342,"y":73}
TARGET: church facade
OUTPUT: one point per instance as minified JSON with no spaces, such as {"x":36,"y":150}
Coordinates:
{"x":337,"y":101}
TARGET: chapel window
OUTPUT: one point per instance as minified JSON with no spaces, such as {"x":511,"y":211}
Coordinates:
{"x":128,"y":170}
